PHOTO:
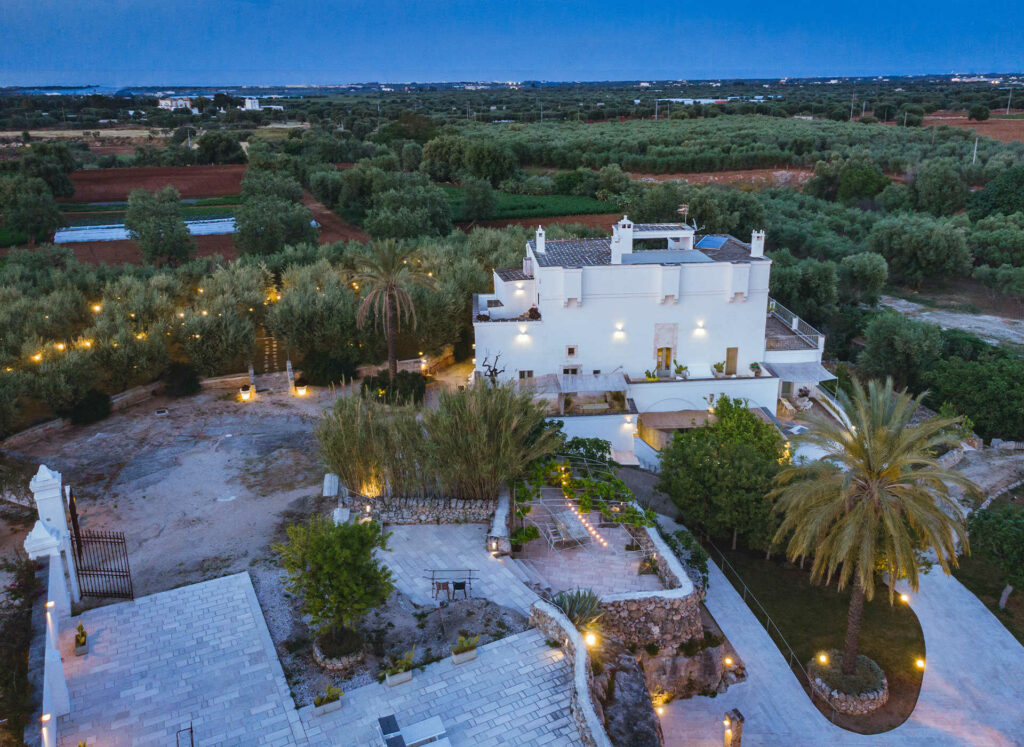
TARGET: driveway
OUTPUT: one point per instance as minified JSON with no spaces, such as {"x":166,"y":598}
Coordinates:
{"x":970,"y":695}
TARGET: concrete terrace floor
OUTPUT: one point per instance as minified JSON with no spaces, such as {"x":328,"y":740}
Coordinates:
{"x":516,"y":692}
{"x":971,"y":693}
{"x":200,"y":654}
{"x":416,"y":548}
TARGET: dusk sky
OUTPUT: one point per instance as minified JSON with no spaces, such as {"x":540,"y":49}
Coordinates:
{"x":231,"y":42}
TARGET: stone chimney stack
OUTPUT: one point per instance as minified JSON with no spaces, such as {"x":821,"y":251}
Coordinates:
{"x":622,"y":239}
{"x":540,"y":240}
{"x":757,"y":244}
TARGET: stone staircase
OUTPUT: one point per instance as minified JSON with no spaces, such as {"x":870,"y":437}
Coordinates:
{"x":528,"y":573}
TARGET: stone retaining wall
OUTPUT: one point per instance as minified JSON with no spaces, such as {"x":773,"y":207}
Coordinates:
{"x":423,"y":510}
{"x":557,"y":627}
{"x":853,"y":705}
{"x":666,"y":618}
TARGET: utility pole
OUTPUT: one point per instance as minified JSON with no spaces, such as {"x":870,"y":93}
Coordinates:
{"x":542,"y":112}
{"x":655,"y":108}
{"x":853,"y":97}
{"x":975,"y":158}
{"x":1009,"y":100}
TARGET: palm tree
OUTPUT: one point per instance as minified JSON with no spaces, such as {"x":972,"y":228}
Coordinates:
{"x":385,"y":277}
{"x":876,"y":499}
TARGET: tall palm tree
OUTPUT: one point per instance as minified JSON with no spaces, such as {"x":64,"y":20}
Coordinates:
{"x":385,"y":276}
{"x":875,"y":499}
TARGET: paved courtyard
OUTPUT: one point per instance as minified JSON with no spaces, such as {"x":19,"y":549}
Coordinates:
{"x":516,"y":692}
{"x":601,"y":563}
{"x":415,"y":549}
{"x":200,"y":654}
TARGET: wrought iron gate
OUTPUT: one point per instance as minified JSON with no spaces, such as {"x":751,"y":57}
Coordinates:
{"x":101,"y":560}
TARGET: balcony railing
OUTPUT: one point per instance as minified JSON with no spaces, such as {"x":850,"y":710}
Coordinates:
{"x":486,"y":304}
{"x":790,"y":331}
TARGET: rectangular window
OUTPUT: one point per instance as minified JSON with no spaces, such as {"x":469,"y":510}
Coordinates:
{"x":571,"y":371}
{"x":597,"y":371}
{"x":526,"y":374}
{"x":570,"y":351}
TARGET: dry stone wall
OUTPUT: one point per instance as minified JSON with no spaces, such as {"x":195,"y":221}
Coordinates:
{"x":423,"y":510}
{"x":854,"y":705}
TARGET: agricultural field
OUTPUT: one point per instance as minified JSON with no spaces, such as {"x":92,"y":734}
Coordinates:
{"x":511,"y":206}
{"x":113,"y":185}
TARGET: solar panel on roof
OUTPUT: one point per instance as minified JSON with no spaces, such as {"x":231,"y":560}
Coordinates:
{"x":712,"y":242}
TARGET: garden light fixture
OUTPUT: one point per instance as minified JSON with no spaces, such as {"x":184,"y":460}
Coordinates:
{"x":823,"y":658}
{"x":589,"y":638}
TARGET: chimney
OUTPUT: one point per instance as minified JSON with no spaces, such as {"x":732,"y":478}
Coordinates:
{"x":622,"y":239}
{"x":539,"y":245}
{"x":757,"y":244}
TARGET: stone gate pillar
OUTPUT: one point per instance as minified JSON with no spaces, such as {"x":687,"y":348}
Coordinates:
{"x":49,"y":498}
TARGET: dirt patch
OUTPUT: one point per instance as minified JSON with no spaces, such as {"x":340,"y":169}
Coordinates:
{"x":994,"y":329}
{"x":1004,"y":129}
{"x":759,"y":177}
{"x":598,"y":221}
{"x":397,"y":627}
{"x":113,"y":185}
{"x":332,"y":228}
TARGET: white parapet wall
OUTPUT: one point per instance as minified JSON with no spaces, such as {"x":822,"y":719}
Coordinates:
{"x":692,"y":394}
{"x":616,"y":429}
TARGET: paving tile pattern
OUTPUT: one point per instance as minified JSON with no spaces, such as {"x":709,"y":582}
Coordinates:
{"x":516,"y":692}
{"x":201,"y":654}
{"x":416,"y":548}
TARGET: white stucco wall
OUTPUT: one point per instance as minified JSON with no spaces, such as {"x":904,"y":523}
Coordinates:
{"x":616,"y":429}
{"x":669,"y":396}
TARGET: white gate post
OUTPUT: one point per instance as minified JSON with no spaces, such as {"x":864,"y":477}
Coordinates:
{"x":49,"y":497}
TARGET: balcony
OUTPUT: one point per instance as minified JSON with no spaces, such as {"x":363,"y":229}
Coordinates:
{"x":784,"y":330}
{"x":488,"y":308}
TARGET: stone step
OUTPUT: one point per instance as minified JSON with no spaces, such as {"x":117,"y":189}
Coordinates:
{"x":515,"y":569}
{"x":532,"y":575}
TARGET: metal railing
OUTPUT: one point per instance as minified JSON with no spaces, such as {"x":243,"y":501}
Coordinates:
{"x":802,"y":334}
{"x":769,"y":625}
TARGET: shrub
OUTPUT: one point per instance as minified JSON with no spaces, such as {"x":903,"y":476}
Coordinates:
{"x":408,"y":386}
{"x":91,"y":408}
{"x":581,"y":606}
{"x":401,"y":664}
{"x":81,"y":637}
{"x":465,"y":644}
{"x":322,"y":368}
{"x":525,"y":534}
{"x":867,"y":677}
{"x":181,"y":380}
{"x":330,"y":695}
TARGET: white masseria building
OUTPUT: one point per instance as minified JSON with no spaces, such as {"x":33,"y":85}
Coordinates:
{"x":601,"y":328}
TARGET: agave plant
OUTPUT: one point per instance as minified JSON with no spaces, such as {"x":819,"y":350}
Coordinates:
{"x":581,"y":606}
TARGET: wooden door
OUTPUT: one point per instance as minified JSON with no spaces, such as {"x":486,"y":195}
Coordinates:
{"x":731,"y":355}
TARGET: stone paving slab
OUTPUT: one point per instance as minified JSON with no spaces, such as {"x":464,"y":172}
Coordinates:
{"x":416,"y":548}
{"x":516,"y":692}
{"x":199,"y":654}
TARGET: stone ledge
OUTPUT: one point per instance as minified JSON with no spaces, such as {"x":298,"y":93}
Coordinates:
{"x":853,"y":705}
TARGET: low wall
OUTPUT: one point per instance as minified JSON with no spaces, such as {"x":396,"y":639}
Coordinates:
{"x":666,"y":618}
{"x":33,"y":736}
{"x":617,"y":428}
{"x":423,"y":510}
{"x":552,"y":623}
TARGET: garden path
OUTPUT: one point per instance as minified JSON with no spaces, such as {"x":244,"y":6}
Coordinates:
{"x":970,"y":695}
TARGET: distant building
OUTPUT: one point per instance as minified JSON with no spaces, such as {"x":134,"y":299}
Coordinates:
{"x":251,"y":105}
{"x":176,"y":102}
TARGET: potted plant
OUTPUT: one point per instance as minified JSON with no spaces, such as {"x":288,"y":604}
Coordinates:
{"x":328,"y":701}
{"x":682,"y":372}
{"x":400,"y":670}
{"x":719,"y":369}
{"x":650,"y":375}
{"x":464,"y":649}
{"x":81,"y":641}
{"x":522,"y":535}
{"x":756,"y":368}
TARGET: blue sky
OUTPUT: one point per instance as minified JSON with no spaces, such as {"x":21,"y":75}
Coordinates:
{"x":231,"y":42}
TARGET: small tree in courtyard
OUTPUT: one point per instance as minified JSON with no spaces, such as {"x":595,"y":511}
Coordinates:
{"x":997,"y":535}
{"x":334,"y":569}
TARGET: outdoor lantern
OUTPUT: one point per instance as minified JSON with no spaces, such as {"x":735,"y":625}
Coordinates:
{"x":300,"y":387}
{"x":919,"y":663}
{"x":905,"y":598}
{"x":589,"y":638}
{"x":728,"y":661}
{"x":245,"y":392}
{"x":823,"y":658}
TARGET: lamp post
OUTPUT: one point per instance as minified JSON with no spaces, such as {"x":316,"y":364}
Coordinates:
{"x":733,"y":723}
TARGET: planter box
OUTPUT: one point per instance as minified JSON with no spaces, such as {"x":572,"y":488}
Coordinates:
{"x":464,"y":656}
{"x":398,"y":679}
{"x":82,"y":650}
{"x":326,"y":708}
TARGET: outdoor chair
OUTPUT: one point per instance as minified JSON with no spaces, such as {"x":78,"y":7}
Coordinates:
{"x":458,"y":586}
{"x":443,"y":586}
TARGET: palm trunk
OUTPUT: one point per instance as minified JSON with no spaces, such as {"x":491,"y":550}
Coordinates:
{"x":1004,"y":596}
{"x":853,"y":621}
{"x":392,"y":336}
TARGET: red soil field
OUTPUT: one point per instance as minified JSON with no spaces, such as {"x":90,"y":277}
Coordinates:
{"x":113,"y":185}
{"x":127,"y":251}
{"x":1006,"y":130}
{"x":332,"y":228}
